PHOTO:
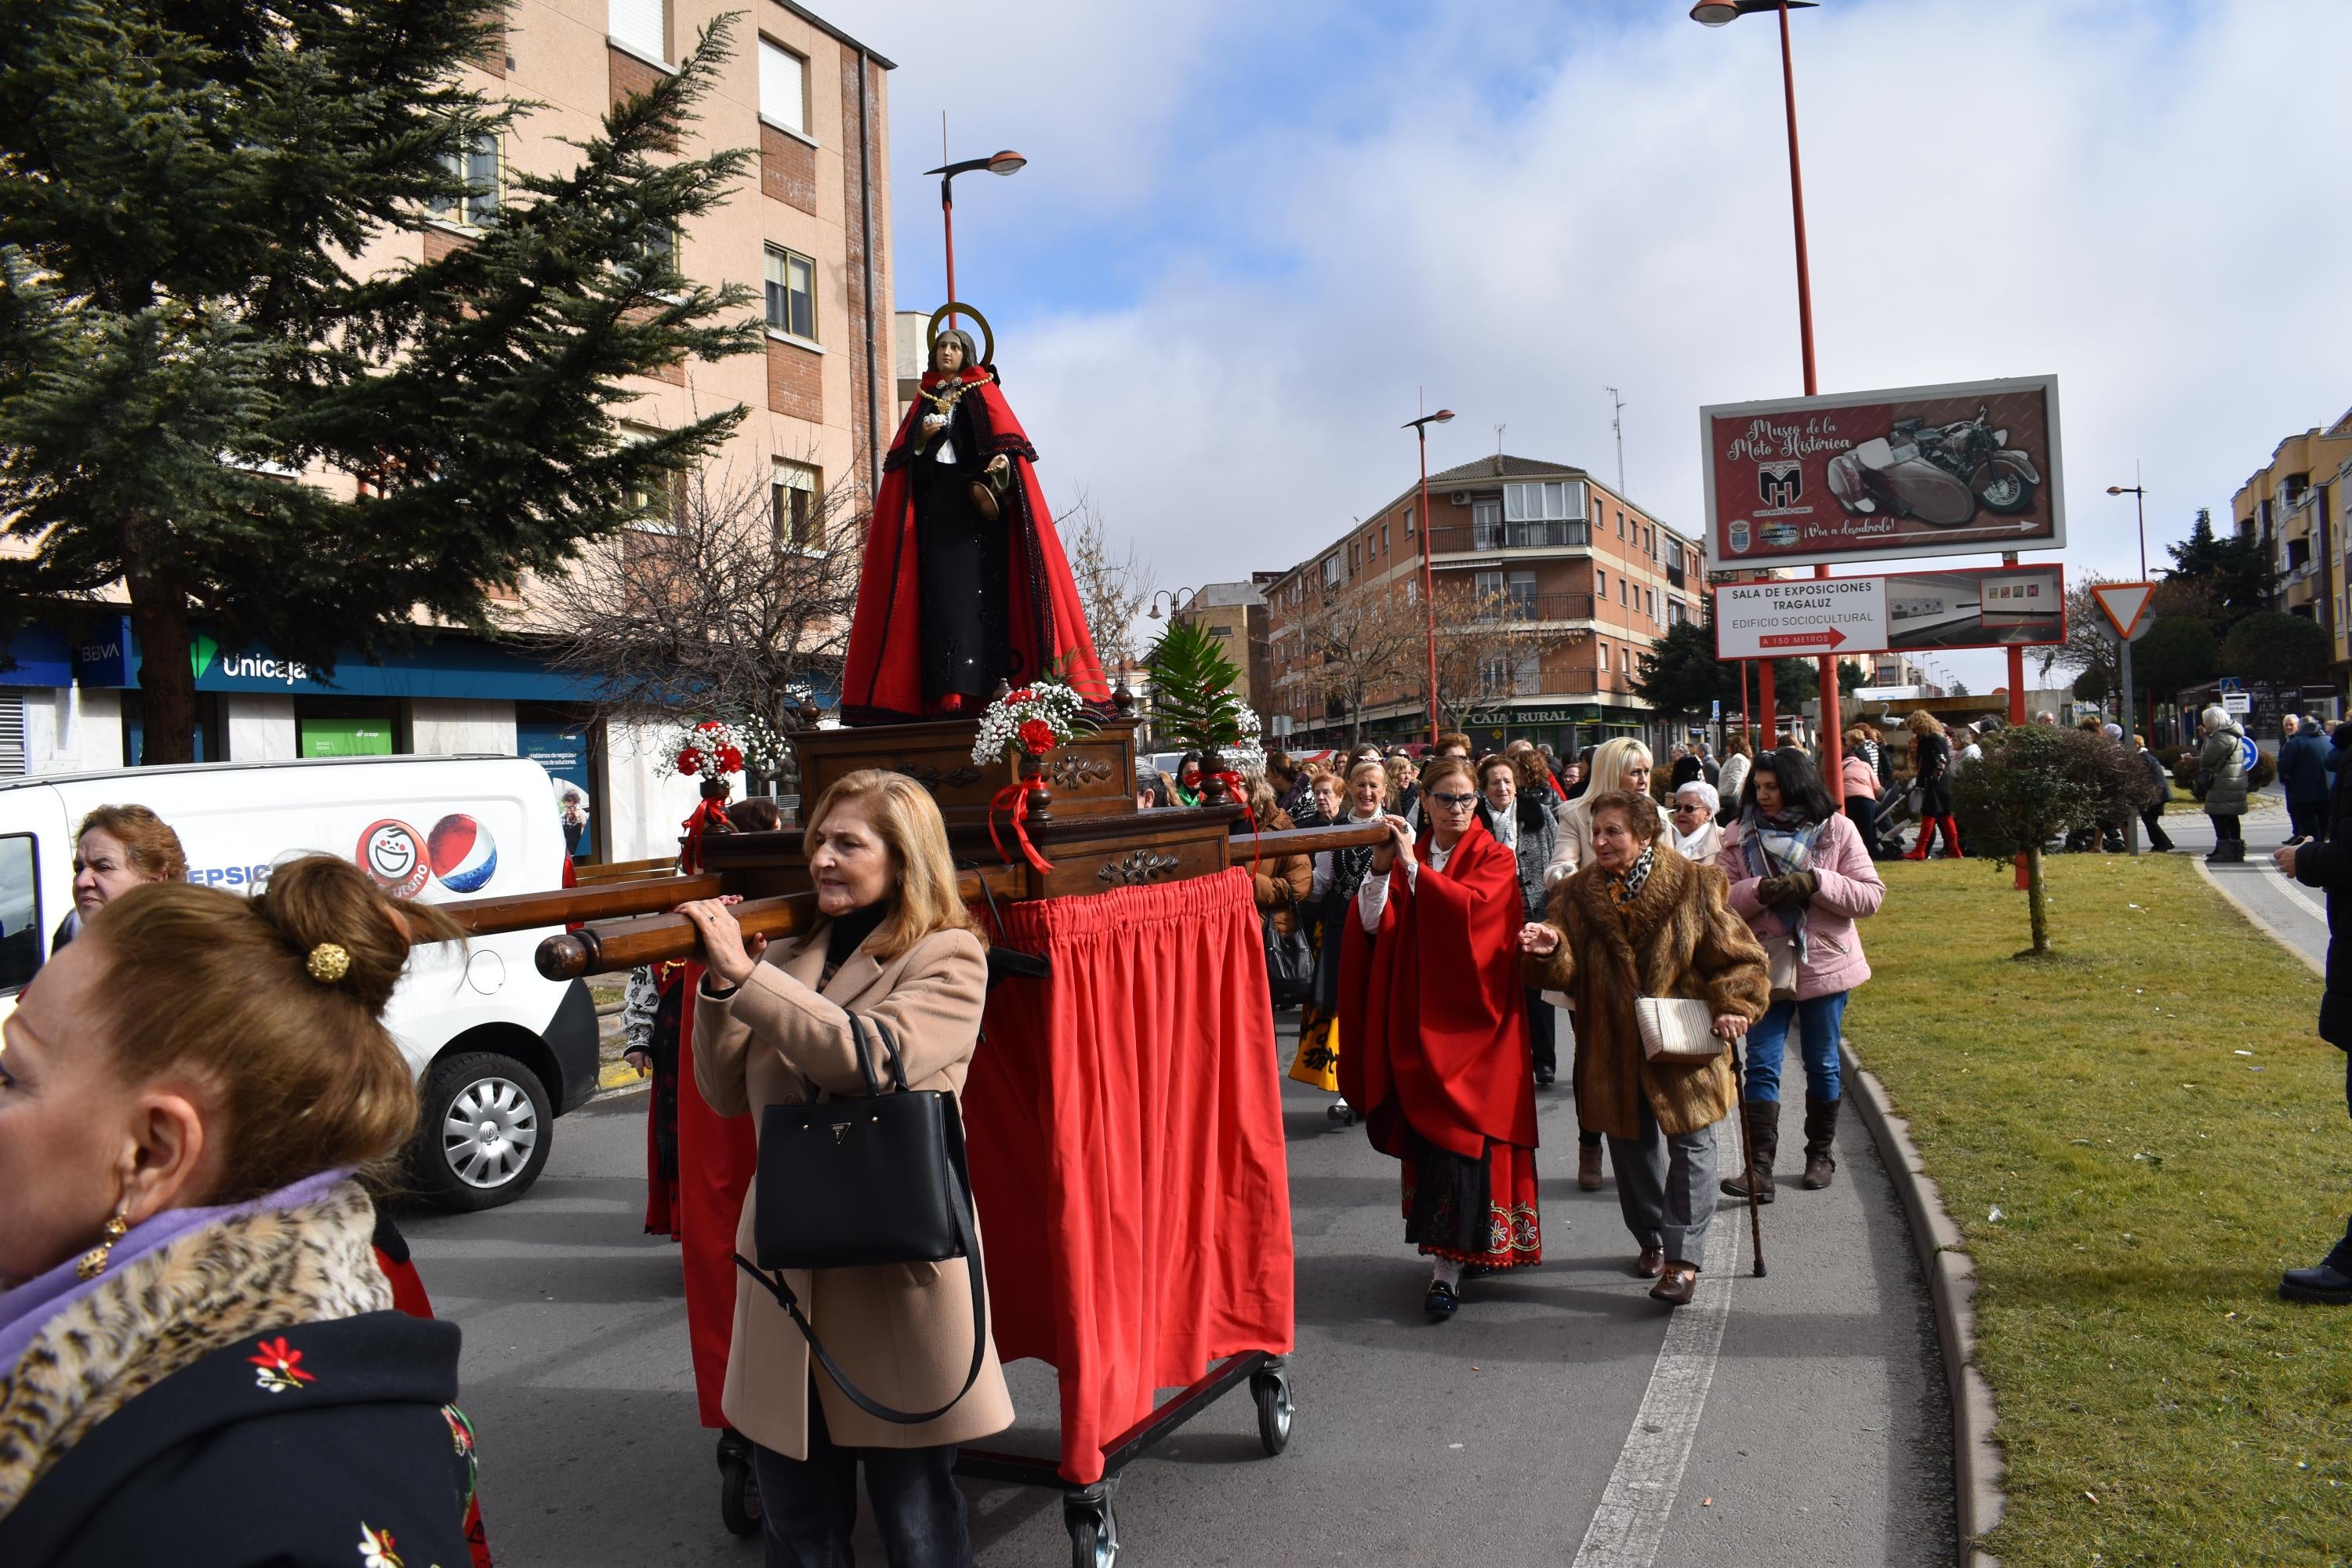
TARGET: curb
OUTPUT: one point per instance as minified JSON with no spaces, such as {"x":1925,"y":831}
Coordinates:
{"x":618,"y":1075}
{"x":2255,"y":920}
{"x":1977,"y":1464}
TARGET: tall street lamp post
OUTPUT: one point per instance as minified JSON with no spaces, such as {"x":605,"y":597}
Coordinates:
{"x":2139,"y":499}
{"x":1004,"y":162}
{"x":1716,"y":14}
{"x":1420,"y":428}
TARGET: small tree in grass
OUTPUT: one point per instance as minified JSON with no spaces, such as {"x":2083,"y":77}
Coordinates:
{"x":2036,"y":784}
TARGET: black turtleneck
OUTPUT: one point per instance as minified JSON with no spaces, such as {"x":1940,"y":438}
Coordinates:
{"x":845,"y":934}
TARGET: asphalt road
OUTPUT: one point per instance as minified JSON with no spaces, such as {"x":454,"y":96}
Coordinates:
{"x":1823,"y":1438}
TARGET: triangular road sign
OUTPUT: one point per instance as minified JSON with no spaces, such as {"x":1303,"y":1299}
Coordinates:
{"x":2123,"y":603}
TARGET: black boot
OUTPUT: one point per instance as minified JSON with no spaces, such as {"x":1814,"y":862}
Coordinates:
{"x":1763,"y":1121}
{"x":1821,"y":1136}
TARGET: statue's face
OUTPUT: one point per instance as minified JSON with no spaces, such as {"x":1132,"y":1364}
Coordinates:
{"x":947,"y":354}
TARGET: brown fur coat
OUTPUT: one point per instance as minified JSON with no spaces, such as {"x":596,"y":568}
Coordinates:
{"x":1679,"y":939}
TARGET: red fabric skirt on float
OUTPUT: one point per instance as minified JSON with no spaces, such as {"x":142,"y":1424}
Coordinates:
{"x":716,"y":1158}
{"x":1127,"y":1162}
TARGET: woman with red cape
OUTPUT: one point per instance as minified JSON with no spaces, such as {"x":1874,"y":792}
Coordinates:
{"x":1437,"y":1062}
{"x":964,"y":582}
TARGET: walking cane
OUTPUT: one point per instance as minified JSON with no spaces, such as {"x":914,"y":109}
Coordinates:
{"x":1747,"y":1158}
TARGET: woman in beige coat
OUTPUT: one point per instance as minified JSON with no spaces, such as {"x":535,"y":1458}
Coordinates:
{"x":771,"y":1027}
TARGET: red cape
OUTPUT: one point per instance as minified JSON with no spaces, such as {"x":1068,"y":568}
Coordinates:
{"x":882,"y":681}
{"x":1430,"y":1010}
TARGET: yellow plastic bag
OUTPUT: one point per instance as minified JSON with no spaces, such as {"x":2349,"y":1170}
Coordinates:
{"x":1317,"y":1062}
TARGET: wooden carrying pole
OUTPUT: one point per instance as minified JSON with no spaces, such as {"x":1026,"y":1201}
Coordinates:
{"x":634,"y":925}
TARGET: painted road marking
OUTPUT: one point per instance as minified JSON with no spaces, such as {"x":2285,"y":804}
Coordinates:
{"x":1631,"y":1523}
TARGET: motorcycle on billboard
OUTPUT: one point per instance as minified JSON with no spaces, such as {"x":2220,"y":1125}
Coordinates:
{"x":1941,"y":475}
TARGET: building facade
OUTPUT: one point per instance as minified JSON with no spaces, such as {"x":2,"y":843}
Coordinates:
{"x":807,"y":232}
{"x":1235,"y":613}
{"x":2299,"y":507}
{"x":1549,"y":588}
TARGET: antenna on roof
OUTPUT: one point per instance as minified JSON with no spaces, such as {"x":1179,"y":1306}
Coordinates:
{"x":1617,"y":427}
{"x":1499,"y":439}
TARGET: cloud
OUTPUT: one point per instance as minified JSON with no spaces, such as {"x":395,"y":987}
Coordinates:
{"x":1249,"y":237}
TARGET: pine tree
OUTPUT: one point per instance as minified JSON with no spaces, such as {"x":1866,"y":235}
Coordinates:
{"x":2233,"y":576}
{"x":184,"y":329}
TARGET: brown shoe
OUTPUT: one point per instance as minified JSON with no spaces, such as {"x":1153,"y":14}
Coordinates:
{"x":1588,"y":1167}
{"x":1649,"y":1264}
{"x":1676,"y":1285}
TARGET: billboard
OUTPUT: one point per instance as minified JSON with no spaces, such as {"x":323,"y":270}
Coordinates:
{"x":1981,"y":606}
{"x":1963,"y":469}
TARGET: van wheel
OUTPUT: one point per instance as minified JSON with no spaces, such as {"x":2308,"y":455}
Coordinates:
{"x":482,"y":1134}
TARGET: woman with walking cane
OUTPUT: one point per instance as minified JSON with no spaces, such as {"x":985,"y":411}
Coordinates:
{"x":1639,"y":923}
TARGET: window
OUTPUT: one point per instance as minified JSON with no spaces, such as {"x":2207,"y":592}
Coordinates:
{"x":1551,"y":502}
{"x":1384,"y":539}
{"x":792,"y":293}
{"x":642,"y":26}
{"x":1600,"y":585}
{"x":1650,"y":603}
{"x":1521,"y":588}
{"x":1221,"y":631}
{"x":1486,"y":524}
{"x":1604,"y":657}
{"x":657,"y":256}
{"x":1676,"y":614}
{"x":1621,"y":525}
{"x":1487,"y":587}
{"x":1625,"y":660}
{"x":21,"y":935}
{"x":792,"y":493}
{"x":1625,"y":593}
{"x":1407,"y":522}
{"x":1527,"y":673}
{"x":1411,"y":592}
{"x":1494,"y":675}
{"x":783,"y":88}
{"x":1331,"y":570}
{"x":478,"y":166}
{"x":1352,"y":558}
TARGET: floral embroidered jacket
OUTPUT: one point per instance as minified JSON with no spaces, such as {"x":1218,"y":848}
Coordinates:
{"x":239,"y":1395}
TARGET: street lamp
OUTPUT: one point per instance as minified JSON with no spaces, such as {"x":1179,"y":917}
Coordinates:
{"x":1716,"y":14}
{"x":2139,"y":499}
{"x":1420,"y":428}
{"x":1005,"y":163}
{"x":1179,"y":600}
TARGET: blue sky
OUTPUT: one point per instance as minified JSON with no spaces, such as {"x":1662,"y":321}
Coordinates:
{"x":1249,"y":233}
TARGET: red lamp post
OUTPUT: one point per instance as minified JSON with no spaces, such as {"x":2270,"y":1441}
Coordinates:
{"x":1005,"y":163}
{"x":1420,"y":427}
{"x":1716,"y":14}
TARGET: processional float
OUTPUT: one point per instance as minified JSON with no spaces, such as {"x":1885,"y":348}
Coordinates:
{"x":1123,"y":1112}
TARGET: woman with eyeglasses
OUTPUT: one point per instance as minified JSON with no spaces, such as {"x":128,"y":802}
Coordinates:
{"x":1622,"y":765}
{"x":1692,"y":831}
{"x":1437,"y":1063}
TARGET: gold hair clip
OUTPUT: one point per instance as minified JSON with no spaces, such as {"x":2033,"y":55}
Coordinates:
{"x":329,"y":962}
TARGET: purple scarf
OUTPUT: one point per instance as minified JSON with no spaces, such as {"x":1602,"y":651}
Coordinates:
{"x":27,"y":1310}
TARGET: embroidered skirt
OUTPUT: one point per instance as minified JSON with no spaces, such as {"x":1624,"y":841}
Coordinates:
{"x":1478,"y":1211}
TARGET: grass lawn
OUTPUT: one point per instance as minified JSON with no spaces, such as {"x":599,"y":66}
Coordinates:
{"x":2162,"y":1132}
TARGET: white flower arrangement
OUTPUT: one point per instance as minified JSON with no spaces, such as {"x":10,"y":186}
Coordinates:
{"x":1030,"y":723}
{"x":1246,"y":756}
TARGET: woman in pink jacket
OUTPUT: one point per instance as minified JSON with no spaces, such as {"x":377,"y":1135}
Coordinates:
{"x":1800,"y":876}
{"x":1861,"y":791}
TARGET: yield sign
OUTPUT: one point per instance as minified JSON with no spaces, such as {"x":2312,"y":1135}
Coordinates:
{"x":2123,"y":603}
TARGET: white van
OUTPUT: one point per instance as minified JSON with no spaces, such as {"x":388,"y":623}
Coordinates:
{"x":500,"y":1052}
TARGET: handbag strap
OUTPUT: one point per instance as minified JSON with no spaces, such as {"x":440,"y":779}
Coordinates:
{"x":782,"y":1292}
{"x":865,"y":1054}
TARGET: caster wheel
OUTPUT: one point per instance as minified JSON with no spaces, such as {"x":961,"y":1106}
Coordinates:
{"x":739,"y":1497}
{"x":1271,"y":1389}
{"x":1094,"y":1530}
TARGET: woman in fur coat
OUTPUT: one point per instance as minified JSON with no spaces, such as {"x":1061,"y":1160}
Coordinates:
{"x":199,"y":1358}
{"x":1640,"y":920}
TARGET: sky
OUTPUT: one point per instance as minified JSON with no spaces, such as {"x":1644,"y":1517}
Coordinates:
{"x":1253,"y":239}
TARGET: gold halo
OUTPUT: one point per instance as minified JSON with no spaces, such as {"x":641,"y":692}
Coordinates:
{"x":988,"y":337}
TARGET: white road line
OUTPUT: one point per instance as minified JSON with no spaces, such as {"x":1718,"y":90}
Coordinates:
{"x":1631,"y":1523}
{"x":2293,"y":890}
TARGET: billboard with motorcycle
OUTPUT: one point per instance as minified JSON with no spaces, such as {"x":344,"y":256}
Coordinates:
{"x":1911,"y":471}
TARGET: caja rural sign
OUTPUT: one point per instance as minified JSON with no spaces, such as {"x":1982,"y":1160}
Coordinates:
{"x":1983,"y":606}
{"x":1967,"y":468}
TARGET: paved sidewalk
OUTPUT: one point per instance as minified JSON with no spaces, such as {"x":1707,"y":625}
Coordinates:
{"x":2296,"y":915}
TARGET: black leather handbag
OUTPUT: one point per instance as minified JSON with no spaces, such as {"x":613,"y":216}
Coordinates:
{"x":859,"y":1182}
{"x":1289,"y":962}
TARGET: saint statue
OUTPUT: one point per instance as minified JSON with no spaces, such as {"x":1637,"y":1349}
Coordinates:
{"x":964,"y":583}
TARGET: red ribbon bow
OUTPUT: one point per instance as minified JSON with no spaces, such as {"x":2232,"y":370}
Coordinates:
{"x":689,"y":856}
{"x":1240,"y":792}
{"x":1014,"y":800}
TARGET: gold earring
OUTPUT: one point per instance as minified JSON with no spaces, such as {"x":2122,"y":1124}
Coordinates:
{"x":93,"y":1262}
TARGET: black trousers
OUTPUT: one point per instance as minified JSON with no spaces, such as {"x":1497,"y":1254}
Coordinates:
{"x":808,"y":1507}
{"x":1541,"y":1036}
{"x":2307,"y":819}
{"x":2153,"y":820}
{"x":1862,"y":810}
{"x":2225,"y":828}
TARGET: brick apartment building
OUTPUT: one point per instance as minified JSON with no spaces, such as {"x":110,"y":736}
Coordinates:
{"x":1582,"y":580}
{"x":2299,"y":506}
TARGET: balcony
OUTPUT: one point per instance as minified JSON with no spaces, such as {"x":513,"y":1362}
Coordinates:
{"x":1461,"y":539}
{"x":1677,"y":577}
{"x":1596,"y":682}
{"x":1536,"y":609}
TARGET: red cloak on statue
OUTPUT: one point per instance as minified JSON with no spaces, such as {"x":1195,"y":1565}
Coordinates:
{"x":882,"y":680}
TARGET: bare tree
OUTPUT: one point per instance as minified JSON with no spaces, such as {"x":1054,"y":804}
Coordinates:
{"x":2090,"y":647}
{"x":1349,"y":642}
{"x":1489,"y":645}
{"x":731,"y":600}
{"x":1114,"y":588}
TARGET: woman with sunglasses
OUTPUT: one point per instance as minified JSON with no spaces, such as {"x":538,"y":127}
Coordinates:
{"x":1692,"y":831}
{"x":1437,"y":1062}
